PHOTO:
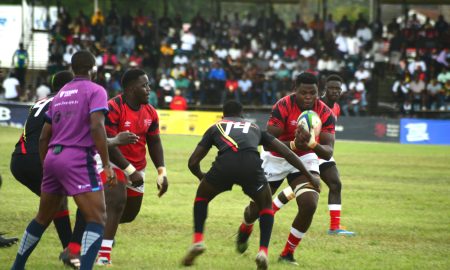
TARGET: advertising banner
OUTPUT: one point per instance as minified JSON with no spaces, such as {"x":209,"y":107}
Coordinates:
{"x":186,"y":122}
{"x":424,"y":131}
{"x":14,"y":113}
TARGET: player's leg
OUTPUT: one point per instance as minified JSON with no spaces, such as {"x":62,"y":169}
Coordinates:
{"x":251,"y":214}
{"x":70,"y":256}
{"x":330,"y":175}
{"x":62,"y":223}
{"x":307,"y":198}
{"x":133,"y":204}
{"x":115,"y":199}
{"x":282,"y":198}
{"x":92,"y":206}
{"x":27,"y":169}
{"x":48,"y":206}
{"x":205,"y":193}
{"x":263,"y":200}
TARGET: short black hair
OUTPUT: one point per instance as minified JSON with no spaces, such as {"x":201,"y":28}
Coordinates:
{"x":60,"y":79}
{"x":232,"y":108}
{"x":305,"y":78}
{"x":131,"y":75}
{"x":334,"y":77}
{"x":82,"y":62}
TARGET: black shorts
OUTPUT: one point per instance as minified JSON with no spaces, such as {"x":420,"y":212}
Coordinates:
{"x":27,"y":169}
{"x":241,"y":168}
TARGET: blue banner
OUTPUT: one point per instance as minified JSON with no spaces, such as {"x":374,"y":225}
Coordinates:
{"x":424,"y":131}
{"x":14,"y":113}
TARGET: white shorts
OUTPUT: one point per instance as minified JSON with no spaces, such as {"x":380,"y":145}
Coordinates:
{"x":322,"y":161}
{"x":139,"y":189}
{"x":277,"y":168}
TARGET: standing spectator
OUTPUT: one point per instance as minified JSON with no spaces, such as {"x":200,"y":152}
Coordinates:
{"x":188,"y":41}
{"x":126,"y":43}
{"x":20,"y":63}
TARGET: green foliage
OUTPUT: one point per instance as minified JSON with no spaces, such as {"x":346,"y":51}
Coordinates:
{"x":394,"y":196}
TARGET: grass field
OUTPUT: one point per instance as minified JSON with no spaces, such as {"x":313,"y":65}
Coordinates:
{"x":396,"y":197}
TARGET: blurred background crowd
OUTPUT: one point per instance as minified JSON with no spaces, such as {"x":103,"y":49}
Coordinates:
{"x":252,"y":58}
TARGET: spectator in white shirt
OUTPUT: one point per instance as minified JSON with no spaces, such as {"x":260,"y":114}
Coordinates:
{"x":188,"y":41}
{"x":414,"y":65}
{"x":362,"y":74}
{"x":307,"y":51}
{"x":180,"y":59}
{"x":364,"y":33}
{"x":12,"y":88}
{"x":244,"y":86}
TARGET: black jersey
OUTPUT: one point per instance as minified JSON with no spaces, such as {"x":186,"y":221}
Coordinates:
{"x":29,"y":140}
{"x":235,"y":134}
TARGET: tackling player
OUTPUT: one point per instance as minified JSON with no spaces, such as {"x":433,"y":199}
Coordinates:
{"x":328,"y":170}
{"x":238,"y":162}
{"x":130,"y":111}
{"x":283,"y":125}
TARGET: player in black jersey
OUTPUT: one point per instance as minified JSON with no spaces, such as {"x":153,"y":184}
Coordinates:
{"x":238,"y":162}
{"x":25,"y":162}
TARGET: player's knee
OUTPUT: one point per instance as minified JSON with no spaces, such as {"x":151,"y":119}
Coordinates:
{"x":335,"y":186}
{"x":307,"y":198}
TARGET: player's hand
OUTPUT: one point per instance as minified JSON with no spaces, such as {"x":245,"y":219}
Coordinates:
{"x":161,"y":181}
{"x":136,"y":179}
{"x":312,"y":140}
{"x":111,"y":179}
{"x":126,"y":137}
{"x":302,"y":138}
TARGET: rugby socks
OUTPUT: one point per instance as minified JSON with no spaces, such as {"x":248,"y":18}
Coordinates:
{"x":295,"y":236}
{"x":200,"y":214}
{"x":105,"y":249}
{"x":75,"y":242}
{"x":62,"y":225}
{"x":265,"y":225}
{"x":277,"y":204}
{"x":246,"y":228}
{"x":335,"y":216}
{"x":30,"y":239}
{"x":90,"y":244}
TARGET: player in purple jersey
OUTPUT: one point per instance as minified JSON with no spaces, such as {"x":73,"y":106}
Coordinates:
{"x":73,"y":132}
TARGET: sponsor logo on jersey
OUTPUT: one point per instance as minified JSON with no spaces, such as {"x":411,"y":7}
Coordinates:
{"x":127,"y":124}
{"x":68,"y":93}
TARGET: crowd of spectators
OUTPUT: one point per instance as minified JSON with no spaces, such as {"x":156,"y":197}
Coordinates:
{"x":254,"y":59}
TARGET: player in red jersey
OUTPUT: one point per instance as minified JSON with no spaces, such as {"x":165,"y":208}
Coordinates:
{"x":130,"y":111}
{"x":283,"y":125}
{"x":328,"y":170}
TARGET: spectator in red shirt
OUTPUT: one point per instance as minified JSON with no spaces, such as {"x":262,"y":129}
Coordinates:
{"x":178,"y":102}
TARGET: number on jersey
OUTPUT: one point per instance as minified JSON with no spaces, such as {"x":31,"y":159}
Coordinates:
{"x":245,"y":126}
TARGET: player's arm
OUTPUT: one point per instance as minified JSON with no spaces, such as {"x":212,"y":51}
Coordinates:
{"x":306,"y":140}
{"x":98,"y":134}
{"x":44,"y":139}
{"x":123,"y":138}
{"x":156,"y":153}
{"x":276,"y":132}
{"x":194,"y":161}
{"x":281,"y":148}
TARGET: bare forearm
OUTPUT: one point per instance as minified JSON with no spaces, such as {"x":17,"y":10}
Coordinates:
{"x":323,"y":151}
{"x":156,"y":153}
{"x":99,"y":137}
{"x":117,"y":158}
{"x":43,"y":148}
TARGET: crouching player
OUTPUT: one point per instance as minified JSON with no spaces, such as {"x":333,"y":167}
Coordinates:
{"x":130,"y":111}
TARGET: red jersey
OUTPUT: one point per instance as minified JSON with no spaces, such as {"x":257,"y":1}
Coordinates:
{"x":142,"y":122}
{"x":286,"y":112}
{"x":336,"y":110}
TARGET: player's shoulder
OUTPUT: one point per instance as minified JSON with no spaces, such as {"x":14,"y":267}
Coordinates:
{"x":286,"y":101}
{"x":321,"y":108}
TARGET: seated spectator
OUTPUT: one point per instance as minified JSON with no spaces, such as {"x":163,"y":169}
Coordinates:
{"x":42,"y":91}
{"x":308,"y":52}
{"x":126,"y":43}
{"x":167,"y":85}
{"x":444,"y":76}
{"x":245,"y":90}
{"x":178,"y":102}
{"x":231,"y":89}
{"x":180,"y":59}
{"x":417,"y":63}
{"x":188,"y":41}
{"x":418,"y":93}
{"x":362,"y":74}
{"x":12,"y":88}
{"x":436,"y":95}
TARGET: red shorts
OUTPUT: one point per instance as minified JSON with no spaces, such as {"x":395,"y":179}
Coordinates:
{"x":121,"y":177}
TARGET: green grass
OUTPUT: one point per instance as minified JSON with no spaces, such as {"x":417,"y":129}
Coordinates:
{"x":396,"y":197}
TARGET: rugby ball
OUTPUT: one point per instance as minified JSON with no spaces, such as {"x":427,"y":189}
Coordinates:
{"x":310,"y":120}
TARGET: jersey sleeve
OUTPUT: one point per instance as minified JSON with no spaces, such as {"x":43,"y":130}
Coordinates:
{"x":98,"y":101}
{"x":266,"y":138}
{"x":276,"y":117}
{"x":328,"y":121}
{"x":208,"y":138}
{"x":153,"y":129}
{"x":112,"y":119}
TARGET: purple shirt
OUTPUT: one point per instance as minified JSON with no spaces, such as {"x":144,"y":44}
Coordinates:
{"x":70,"y":110}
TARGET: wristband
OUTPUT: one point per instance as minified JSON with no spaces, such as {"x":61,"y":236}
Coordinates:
{"x":292,"y":145}
{"x":130,"y":169}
